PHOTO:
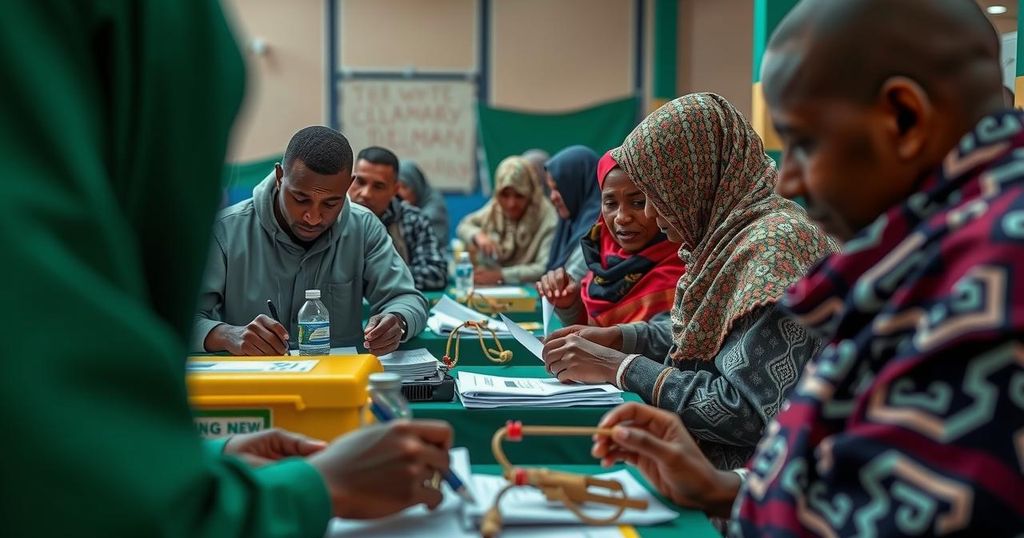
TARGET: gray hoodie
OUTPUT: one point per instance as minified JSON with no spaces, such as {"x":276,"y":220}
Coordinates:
{"x":252,"y":259}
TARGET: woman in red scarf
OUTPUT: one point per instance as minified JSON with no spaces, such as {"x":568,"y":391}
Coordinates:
{"x":631,"y":268}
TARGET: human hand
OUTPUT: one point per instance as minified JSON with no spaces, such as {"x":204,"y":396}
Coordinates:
{"x":265,"y":446}
{"x":487,"y":276}
{"x":575,"y":359}
{"x":383,"y":333}
{"x":610,"y":337}
{"x":656,"y":442}
{"x":559,"y":288}
{"x":485,"y":245}
{"x":262,"y":336}
{"x":381,"y":469}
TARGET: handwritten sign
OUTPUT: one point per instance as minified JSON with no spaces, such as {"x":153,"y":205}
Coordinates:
{"x":432,"y":122}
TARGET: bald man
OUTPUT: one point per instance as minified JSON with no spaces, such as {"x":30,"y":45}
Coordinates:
{"x":911,"y":421}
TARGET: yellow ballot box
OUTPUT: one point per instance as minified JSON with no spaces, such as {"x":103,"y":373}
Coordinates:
{"x":319,"y":396}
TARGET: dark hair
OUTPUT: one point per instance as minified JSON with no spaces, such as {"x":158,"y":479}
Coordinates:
{"x":379,"y":155}
{"x":322,"y":149}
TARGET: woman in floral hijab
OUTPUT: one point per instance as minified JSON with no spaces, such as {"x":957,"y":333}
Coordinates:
{"x":733,"y":355}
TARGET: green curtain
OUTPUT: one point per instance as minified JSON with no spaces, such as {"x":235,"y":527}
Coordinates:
{"x":509,"y":132}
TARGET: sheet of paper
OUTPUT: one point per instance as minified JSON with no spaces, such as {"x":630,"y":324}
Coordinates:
{"x":250,"y":367}
{"x":448,"y":314}
{"x":501,"y":291}
{"x":446,"y":520}
{"x":547,"y":309}
{"x":351,"y":350}
{"x":448,"y":306}
{"x":528,"y":506}
{"x":450,"y":519}
{"x":489,"y":392}
{"x":524,"y":386}
{"x":524,"y":337}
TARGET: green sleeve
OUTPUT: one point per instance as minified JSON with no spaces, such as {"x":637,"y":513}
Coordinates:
{"x":112,"y":135}
{"x":215,"y":447}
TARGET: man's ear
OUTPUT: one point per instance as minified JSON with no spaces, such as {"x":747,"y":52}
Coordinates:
{"x":278,"y":174}
{"x":911,"y":115}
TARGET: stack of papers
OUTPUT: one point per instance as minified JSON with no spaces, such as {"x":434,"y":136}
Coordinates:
{"x":447,"y":314}
{"x":414,"y":365}
{"x":351,"y":350}
{"x":524,"y":511}
{"x":491,"y":391}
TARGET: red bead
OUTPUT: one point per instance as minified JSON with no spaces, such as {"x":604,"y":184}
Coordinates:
{"x":514,"y":430}
{"x":520,"y":477}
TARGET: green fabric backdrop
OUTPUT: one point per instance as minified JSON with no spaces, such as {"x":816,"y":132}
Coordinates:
{"x":508,"y":132}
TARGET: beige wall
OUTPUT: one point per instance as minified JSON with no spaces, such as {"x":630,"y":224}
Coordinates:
{"x":427,"y":35}
{"x":285,"y":89}
{"x":547,"y":55}
{"x":716,"y":49}
{"x":557,"y":55}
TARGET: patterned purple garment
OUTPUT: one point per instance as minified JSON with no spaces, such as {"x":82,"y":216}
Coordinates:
{"x":911,"y":420}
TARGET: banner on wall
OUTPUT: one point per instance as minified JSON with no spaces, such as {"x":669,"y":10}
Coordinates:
{"x":600,"y":127}
{"x":431,"y":122}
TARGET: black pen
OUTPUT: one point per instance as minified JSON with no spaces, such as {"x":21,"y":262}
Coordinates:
{"x":273,"y":314}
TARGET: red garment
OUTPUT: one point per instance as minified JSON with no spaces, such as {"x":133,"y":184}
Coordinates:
{"x":621,"y":287}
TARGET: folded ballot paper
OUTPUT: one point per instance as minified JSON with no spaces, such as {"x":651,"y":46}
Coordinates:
{"x":525,"y":512}
{"x":447,"y":314}
{"x":491,"y":391}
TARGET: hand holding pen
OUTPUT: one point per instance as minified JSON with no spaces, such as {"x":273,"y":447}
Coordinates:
{"x":383,"y":415}
{"x":277,"y":329}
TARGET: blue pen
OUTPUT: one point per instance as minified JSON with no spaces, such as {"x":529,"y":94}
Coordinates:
{"x":453,"y":481}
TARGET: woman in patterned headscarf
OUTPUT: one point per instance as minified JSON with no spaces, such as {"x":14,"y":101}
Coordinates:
{"x":734,"y":354}
{"x":511,"y":234}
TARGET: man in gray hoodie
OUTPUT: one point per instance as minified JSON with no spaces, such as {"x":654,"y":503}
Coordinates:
{"x":299,"y":231}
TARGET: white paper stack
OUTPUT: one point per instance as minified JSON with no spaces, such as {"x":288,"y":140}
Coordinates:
{"x":490,"y":391}
{"x":447,"y":314}
{"x":412,"y":364}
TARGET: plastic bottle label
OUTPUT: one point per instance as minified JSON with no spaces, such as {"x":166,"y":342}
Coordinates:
{"x":315,"y":333}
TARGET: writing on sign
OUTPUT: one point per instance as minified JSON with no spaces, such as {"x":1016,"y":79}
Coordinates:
{"x":431,"y":122}
{"x":222,"y":423}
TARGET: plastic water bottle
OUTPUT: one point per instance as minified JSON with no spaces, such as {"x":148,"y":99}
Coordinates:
{"x":455,"y":248}
{"x":386,"y":394}
{"x":314,"y":326}
{"x":463,"y":275}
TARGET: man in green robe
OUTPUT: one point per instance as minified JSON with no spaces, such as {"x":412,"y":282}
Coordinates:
{"x":113,"y":127}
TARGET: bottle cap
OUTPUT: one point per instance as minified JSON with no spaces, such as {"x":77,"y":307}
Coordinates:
{"x":385,"y":381}
{"x":312,"y":294}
